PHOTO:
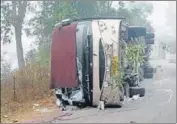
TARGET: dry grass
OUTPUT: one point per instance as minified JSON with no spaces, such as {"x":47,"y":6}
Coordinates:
{"x":23,"y":88}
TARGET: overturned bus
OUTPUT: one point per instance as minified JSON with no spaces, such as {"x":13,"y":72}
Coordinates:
{"x":86,"y":55}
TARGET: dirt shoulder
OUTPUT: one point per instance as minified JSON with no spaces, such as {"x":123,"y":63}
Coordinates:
{"x":34,"y":112}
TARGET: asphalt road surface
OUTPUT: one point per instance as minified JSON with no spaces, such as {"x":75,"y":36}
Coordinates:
{"x":158,"y":105}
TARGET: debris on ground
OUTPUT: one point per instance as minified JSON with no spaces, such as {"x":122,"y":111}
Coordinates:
{"x":136,"y":97}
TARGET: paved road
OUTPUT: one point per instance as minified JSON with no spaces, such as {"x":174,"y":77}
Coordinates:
{"x":158,"y":106}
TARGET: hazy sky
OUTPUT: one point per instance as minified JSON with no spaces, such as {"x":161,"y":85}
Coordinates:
{"x":157,"y":19}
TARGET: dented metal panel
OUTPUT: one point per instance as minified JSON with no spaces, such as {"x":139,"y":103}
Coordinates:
{"x":108,"y":31}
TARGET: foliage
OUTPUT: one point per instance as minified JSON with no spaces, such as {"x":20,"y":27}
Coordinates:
{"x":136,"y":13}
{"x":13,"y":14}
{"x":23,"y":87}
{"x":52,"y":12}
{"x":135,"y":52}
{"x":116,"y":72}
{"x":34,"y":78}
{"x":43,"y":55}
{"x":104,"y":9}
{"x":84,"y":8}
{"x":118,"y":79}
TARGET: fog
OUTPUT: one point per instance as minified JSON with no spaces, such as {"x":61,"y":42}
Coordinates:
{"x":165,"y":27}
{"x":163,"y":20}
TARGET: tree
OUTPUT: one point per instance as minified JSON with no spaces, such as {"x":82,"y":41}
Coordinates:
{"x":13,"y":14}
{"x":41,"y":26}
{"x":136,"y":13}
{"x":52,"y":12}
{"x":84,"y":8}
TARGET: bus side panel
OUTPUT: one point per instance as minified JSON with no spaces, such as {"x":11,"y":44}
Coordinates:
{"x":63,"y":57}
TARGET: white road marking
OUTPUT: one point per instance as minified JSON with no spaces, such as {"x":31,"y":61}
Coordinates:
{"x":170,"y":92}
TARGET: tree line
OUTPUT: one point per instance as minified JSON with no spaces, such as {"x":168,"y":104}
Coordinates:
{"x":48,"y":13}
